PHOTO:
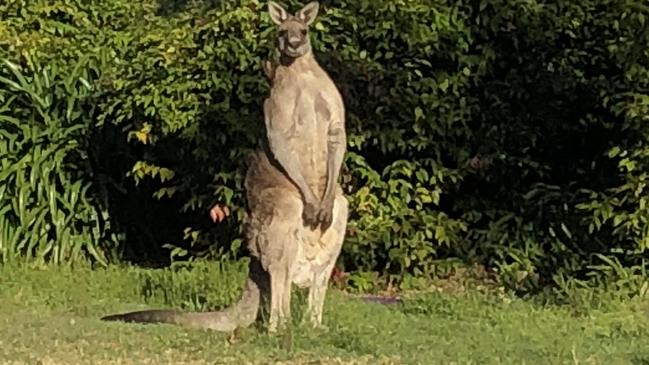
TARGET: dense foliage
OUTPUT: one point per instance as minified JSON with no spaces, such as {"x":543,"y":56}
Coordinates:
{"x":511,"y":133}
{"x":47,"y":212}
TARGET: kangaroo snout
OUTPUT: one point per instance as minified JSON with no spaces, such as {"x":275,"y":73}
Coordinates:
{"x":294,"y":41}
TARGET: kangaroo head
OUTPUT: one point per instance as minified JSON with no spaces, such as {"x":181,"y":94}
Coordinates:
{"x":293,"y":37}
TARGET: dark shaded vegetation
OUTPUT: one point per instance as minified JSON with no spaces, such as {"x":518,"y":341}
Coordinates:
{"x":507,"y":133}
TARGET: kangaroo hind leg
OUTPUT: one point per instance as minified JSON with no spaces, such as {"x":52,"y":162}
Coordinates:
{"x":331,"y":242}
{"x":280,"y":241}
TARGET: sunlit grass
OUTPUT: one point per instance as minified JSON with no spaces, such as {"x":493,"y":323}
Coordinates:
{"x":51,"y":316}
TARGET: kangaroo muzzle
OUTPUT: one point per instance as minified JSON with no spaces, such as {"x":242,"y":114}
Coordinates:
{"x":294,"y":41}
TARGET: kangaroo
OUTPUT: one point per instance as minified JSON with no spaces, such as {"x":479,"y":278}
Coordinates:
{"x":297,"y":213}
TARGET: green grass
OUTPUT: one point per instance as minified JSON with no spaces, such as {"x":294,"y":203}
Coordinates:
{"x":51,"y":316}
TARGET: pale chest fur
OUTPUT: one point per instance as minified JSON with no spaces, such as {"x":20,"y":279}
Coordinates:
{"x":306,"y":98}
{"x":305,"y":102}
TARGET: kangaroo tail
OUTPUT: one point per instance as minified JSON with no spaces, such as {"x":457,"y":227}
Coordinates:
{"x":239,"y":315}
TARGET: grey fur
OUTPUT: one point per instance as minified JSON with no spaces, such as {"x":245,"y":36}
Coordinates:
{"x":297,"y":214}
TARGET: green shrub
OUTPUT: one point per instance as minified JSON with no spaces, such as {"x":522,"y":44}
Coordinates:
{"x":508,"y":133}
{"x":46,"y":210}
{"x":562,"y":97}
{"x":185,"y":85}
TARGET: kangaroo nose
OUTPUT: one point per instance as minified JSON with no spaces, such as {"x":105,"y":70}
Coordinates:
{"x":294,"y":41}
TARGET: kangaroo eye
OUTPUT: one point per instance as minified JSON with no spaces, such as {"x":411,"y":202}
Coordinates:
{"x":303,"y":31}
{"x":283,"y":32}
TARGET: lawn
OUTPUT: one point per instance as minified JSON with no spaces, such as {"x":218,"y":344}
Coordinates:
{"x":51,"y":316}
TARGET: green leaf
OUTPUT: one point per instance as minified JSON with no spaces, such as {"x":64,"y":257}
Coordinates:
{"x":419,"y":113}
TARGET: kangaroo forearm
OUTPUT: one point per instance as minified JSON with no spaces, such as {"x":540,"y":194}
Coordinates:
{"x":290,"y":164}
{"x":337,"y":147}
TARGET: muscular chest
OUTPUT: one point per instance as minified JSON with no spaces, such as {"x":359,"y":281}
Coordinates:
{"x":301,"y":108}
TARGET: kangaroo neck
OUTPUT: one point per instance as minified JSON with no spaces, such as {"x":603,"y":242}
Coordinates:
{"x":295,"y":69}
{"x":290,"y":62}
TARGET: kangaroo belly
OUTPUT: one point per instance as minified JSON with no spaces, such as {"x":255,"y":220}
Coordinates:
{"x":314,"y":166}
{"x":310,"y":139}
{"x":303,"y":114}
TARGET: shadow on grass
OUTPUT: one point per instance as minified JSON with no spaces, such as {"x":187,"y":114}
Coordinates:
{"x":640,"y":360}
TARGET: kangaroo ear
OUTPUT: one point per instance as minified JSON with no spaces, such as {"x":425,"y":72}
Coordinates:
{"x":309,"y":12}
{"x":277,"y":13}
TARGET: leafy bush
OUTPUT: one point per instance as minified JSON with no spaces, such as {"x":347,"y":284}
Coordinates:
{"x":508,"y":133}
{"x":46,"y":210}
{"x":560,"y":100}
{"x":189,"y":101}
